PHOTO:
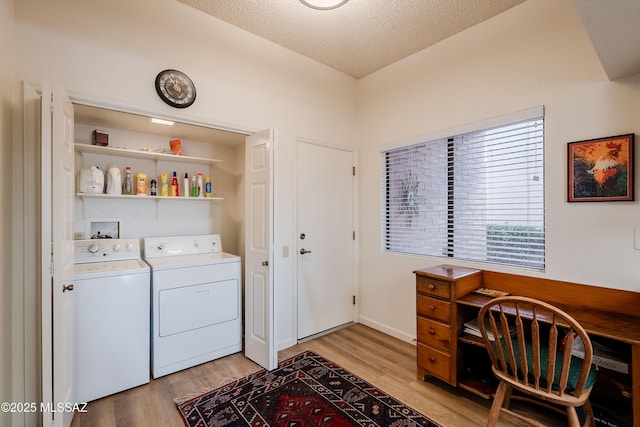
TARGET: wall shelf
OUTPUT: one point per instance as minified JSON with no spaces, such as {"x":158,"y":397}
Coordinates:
{"x":140,"y":154}
{"x":146,"y":197}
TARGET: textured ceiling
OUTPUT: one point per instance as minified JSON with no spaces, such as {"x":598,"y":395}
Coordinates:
{"x":360,"y":37}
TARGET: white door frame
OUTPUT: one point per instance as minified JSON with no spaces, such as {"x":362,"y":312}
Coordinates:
{"x":46,"y":262}
{"x":134,"y":109}
{"x":25,"y":344}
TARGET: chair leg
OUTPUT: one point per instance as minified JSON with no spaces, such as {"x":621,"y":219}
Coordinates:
{"x":590,"y":420}
{"x":572,"y":417}
{"x":507,"y":398}
{"x":503,"y":390}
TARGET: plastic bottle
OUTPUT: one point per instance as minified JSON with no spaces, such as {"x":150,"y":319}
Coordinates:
{"x":141,"y":184}
{"x":127,"y":185}
{"x":164,"y":185}
{"x":194,"y":187}
{"x":154,"y":187}
{"x":207,"y":187}
{"x":175,"y":188}
{"x":185,"y":188}
{"x":200,"y":187}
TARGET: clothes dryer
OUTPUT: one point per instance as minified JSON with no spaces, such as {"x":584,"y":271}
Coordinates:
{"x":196,"y":301}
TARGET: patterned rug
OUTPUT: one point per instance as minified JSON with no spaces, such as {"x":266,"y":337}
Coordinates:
{"x":305,"y":390}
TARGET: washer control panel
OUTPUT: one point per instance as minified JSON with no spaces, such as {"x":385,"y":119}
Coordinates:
{"x":101,"y":250}
{"x":160,"y":247}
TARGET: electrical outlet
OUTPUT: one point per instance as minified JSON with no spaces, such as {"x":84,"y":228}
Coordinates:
{"x":637,"y":240}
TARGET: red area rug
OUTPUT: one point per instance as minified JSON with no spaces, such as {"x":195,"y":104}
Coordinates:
{"x":306,"y":390}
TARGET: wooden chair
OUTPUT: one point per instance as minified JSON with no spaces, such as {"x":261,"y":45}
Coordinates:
{"x":529,"y":356}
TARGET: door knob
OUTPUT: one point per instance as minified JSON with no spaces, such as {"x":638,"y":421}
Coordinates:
{"x":67,"y":287}
{"x":304,"y":251}
{"x":265,"y":263}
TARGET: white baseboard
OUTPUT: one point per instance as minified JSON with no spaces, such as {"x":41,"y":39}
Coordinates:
{"x":367,"y":322}
{"x":286,"y":344}
{"x":387,"y":330}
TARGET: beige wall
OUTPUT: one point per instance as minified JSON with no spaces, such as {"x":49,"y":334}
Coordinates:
{"x":6,"y":133}
{"x":111,"y":50}
{"x":535,"y":54}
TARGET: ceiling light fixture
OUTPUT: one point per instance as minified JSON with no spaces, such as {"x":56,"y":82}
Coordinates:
{"x":161,"y":121}
{"x":323,"y":4}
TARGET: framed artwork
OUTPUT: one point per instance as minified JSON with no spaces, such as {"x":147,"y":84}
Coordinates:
{"x":601,"y":170}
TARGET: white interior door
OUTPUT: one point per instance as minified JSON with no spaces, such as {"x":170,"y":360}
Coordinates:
{"x":259,"y":294}
{"x":326,"y":246}
{"x":57,"y":255}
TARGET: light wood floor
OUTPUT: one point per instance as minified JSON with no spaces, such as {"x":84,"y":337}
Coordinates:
{"x":379,"y":359}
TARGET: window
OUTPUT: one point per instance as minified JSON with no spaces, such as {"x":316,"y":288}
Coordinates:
{"x":477,"y":195}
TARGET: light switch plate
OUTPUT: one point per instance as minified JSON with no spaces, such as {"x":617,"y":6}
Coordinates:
{"x":637,"y":240}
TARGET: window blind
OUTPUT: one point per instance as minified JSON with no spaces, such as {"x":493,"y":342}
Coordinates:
{"x":475,"y":196}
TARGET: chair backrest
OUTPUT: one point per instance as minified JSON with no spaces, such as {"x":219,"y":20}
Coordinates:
{"x":530,"y":344}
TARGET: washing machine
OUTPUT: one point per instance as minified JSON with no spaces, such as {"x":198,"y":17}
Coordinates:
{"x":112,"y":317}
{"x":196,"y":297}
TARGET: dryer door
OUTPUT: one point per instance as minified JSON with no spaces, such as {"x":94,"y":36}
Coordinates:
{"x":187,"y":308}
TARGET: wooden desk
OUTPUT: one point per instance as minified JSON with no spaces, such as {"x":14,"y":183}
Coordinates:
{"x":609,"y":313}
{"x":437,"y":290}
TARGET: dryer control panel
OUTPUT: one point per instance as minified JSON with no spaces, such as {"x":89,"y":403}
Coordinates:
{"x":160,"y":247}
{"x":101,"y":250}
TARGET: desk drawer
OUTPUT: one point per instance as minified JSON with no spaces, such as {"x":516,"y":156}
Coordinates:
{"x":434,"y":334}
{"x":432,"y":307}
{"x":433,"y":287}
{"x":435,"y":362}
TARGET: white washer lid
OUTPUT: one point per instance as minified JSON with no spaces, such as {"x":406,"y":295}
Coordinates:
{"x":110,"y":268}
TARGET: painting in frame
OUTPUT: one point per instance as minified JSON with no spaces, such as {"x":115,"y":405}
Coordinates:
{"x":601,"y":170}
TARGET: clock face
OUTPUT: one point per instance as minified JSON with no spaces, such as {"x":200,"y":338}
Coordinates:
{"x":175,"y":88}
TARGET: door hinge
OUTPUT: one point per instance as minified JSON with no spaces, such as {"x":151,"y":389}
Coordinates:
{"x":354,"y":300}
{"x":52,"y":267}
{"x":354,"y":236}
{"x":354,"y":171}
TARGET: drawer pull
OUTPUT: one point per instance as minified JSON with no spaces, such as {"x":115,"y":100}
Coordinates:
{"x":432,"y":331}
{"x":432,"y":307}
{"x":432,"y":359}
{"x":431,"y":286}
